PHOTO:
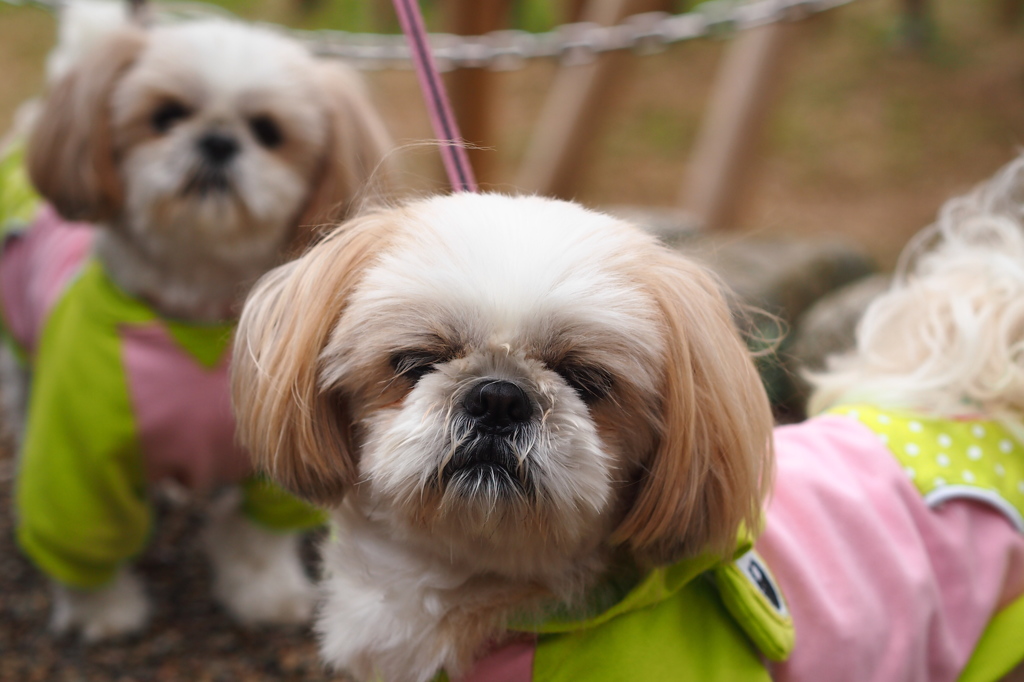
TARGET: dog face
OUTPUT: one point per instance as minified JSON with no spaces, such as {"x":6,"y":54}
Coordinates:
{"x":205,"y":138}
{"x":515,"y":382}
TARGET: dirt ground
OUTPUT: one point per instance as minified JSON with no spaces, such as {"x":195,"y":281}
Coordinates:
{"x":189,"y":638}
{"x":866,"y":140}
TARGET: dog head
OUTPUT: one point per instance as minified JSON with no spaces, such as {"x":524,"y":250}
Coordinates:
{"x":517,"y":382}
{"x":210,"y":138}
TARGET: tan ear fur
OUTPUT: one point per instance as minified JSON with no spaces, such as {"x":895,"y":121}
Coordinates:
{"x":71,"y":156}
{"x":296,"y":433}
{"x":713,"y":464}
{"x":356,"y":149}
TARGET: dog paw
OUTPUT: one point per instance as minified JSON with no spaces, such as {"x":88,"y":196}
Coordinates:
{"x":268,"y":597}
{"x":258,"y":574}
{"x":118,"y":609}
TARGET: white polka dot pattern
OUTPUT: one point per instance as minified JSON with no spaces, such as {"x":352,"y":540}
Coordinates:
{"x":937,"y":452}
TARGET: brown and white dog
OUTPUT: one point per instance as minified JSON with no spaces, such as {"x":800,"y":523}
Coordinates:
{"x":200,"y":155}
{"x":504,"y":400}
{"x":368,"y":372}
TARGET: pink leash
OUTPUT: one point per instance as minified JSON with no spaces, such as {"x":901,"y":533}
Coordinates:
{"x":453,"y":153}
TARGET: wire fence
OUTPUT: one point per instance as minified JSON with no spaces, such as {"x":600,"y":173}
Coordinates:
{"x":506,"y":50}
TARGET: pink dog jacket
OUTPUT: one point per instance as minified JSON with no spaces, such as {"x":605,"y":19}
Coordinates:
{"x":881,"y":585}
{"x":120,"y":398}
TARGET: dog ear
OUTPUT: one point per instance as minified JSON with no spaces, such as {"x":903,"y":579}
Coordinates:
{"x":71,"y":156}
{"x":712,"y":465}
{"x":295,"y":431}
{"x":355,"y":152}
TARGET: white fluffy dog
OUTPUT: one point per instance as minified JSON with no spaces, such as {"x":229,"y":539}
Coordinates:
{"x":199,"y":155}
{"x":546,"y":454}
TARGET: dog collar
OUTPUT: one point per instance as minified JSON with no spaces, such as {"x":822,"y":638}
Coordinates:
{"x":744,"y":584}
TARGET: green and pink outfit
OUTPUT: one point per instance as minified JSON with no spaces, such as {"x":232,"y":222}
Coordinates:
{"x":121,"y":398}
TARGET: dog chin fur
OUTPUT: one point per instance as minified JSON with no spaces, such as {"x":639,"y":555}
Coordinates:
{"x":118,"y":142}
{"x":497,"y":397}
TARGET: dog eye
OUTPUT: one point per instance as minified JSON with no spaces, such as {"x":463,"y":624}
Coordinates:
{"x":266,"y":130}
{"x":414,"y":365}
{"x":168,"y":114}
{"x":590,"y":383}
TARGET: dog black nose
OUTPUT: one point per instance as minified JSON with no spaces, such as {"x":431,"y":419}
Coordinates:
{"x":218,"y":148}
{"x":498,"y":404}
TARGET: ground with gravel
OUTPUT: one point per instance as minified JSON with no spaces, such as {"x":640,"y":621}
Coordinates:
{"x":189,"y":638}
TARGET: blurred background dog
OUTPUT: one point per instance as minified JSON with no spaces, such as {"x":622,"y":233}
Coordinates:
{"x":173,"y":165}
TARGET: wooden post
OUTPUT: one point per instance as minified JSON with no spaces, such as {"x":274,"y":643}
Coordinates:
{"x":472,"y":91}
{"x":719,"y":172}
{"x":574,"y":111}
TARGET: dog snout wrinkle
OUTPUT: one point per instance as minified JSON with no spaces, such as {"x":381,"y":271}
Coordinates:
{"x":498,"y":405}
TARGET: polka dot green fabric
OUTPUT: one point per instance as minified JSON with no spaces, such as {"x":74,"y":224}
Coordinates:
{"x":952,"y":458}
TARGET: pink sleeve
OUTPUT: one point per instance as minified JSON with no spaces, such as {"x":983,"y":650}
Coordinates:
{"x":36,"y":266}
{"x":880,"y":586}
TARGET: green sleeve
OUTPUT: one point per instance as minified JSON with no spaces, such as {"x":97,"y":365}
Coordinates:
{"x":274,"y":508}
{"x":1000,"y":649}
{"x":18,"y":199}
{"x":80,"y":495}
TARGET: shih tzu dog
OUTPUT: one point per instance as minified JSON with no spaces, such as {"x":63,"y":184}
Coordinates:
{"x":193,"y":157}
{"x":547,"y":455}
